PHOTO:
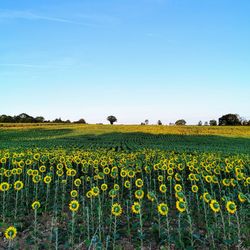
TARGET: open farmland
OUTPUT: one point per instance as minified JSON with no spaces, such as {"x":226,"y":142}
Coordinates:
{"x":124,"y":187}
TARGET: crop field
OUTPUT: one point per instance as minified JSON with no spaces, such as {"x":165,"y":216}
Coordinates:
{"x":124,"y":187}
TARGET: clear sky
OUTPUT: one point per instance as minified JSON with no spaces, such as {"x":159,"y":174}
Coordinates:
{"x":135,"y":59}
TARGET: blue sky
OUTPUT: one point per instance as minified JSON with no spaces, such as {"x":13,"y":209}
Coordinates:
{"x":135,"y":59}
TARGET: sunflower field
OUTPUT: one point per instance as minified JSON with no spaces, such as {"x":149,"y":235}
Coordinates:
{"x":121,"y":193}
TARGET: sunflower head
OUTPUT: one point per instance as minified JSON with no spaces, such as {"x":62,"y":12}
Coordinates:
{"x":215,"y":206}
{"x":136,"y":207}
{"x":231,"y":207}
{"x":18,"y":185}
{"x":139,"y":183}
{"x":181,"y":205}
{"x":139,"y":194}
{"x":74,"y":205}
{"x":116,"y":209}
{"x":10,"y":233}
{"x":163,"y":209}
{"x":35,"y":205}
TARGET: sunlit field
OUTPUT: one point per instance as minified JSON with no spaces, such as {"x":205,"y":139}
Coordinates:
{"x":124,"y":187}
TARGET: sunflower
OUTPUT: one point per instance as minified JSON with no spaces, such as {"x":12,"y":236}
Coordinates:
{"x":163,"y":209}
{"x":160,"y":178}
{"x":242,"y":197}
{"x":127,"y":184}
{"x":123,"y":173}
{"x":95,"y":191}
{"x":231,"y":207}
{"x":74,"y":193}
{"x":112,"y":193}
{"x":106,"y":170}
{"x":136,"y":207}
{"x":89,"y":194}
{"x":206,"y":197}
{"x":104,"y":187}
{"x":35,"y":205}
{"x":116,"y":209}
{"x":74,"y":205}
{"x":59,"y":172}
{"x":139,"y":194}
{"x":170,"y":171}
{"x":181,"y":205}
{"x":215,"y":206}
{"x":131,"y":174}
{"x":151,"y":196}
{"x":178,"y":188}
{"x":10,"y":233}
{"x":195,"y":188}
{"x":18,"y":185}
{"x":47,"y":179}
{"x":36,"y":178}
{"x":77,"y":182}
{"x":163,"y":188}
{"x":4,"y":186}
{"x":139,"y":183}
{"x":116,"y":187}
{"x":42,"y":169}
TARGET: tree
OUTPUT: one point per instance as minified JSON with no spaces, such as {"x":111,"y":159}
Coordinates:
{"x":213,"y":123}
{"x":146,"y":122}
{"x":229,"y":120}
{"x":180,"y":122}
{"x":159,"y":122}
{"x":205,"y":123}
{"x":200,"y":123}
{"x":39,"y":119}
{"x":82,"y":121}
{"x":111,"y":119}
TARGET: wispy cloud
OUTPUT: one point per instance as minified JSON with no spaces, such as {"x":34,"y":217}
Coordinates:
{"x":28,"y":15}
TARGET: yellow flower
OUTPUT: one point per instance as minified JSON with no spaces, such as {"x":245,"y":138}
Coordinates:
{"x":104,"y":187}
{"x":47,"y":179}
{"x":160,"y":178}
{"x":10,"y":233}
{"x":95,"y":191}
{"x":127,"y":184}
{"x":136,"y":207}
{"x":106,"y":170}
{"x":89,"y":194}
{"x":4,"y":186}
{"x":215,"y":206}
{"x":242,"y":197}
{"x":181,"y":205}
{"x":116,"y":187}
{"x":139,"y":194}
{"x":112,"y":193}
{"x":139,"y":183}
{"x":231,"y":207}
{"x":163,"y":209}
{"x":18,"y":185}
{"x":77,"y":182}
{"x":74,"y":193}
{"x":36,"y":178}
{"x":35,"y":205}
{"x":178,"y":188}
{"x":195,"y":188}
{"x":42,"y":169}
{"x":206,"y":197}
{"x":116,"y":209}
{"x":151,"y":196}
{"x":163,"y":188}
{"x":74,"y":205}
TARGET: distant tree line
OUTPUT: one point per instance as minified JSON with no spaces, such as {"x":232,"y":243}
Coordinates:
{"x":225,"y":120}
{"x":24,"y":118}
